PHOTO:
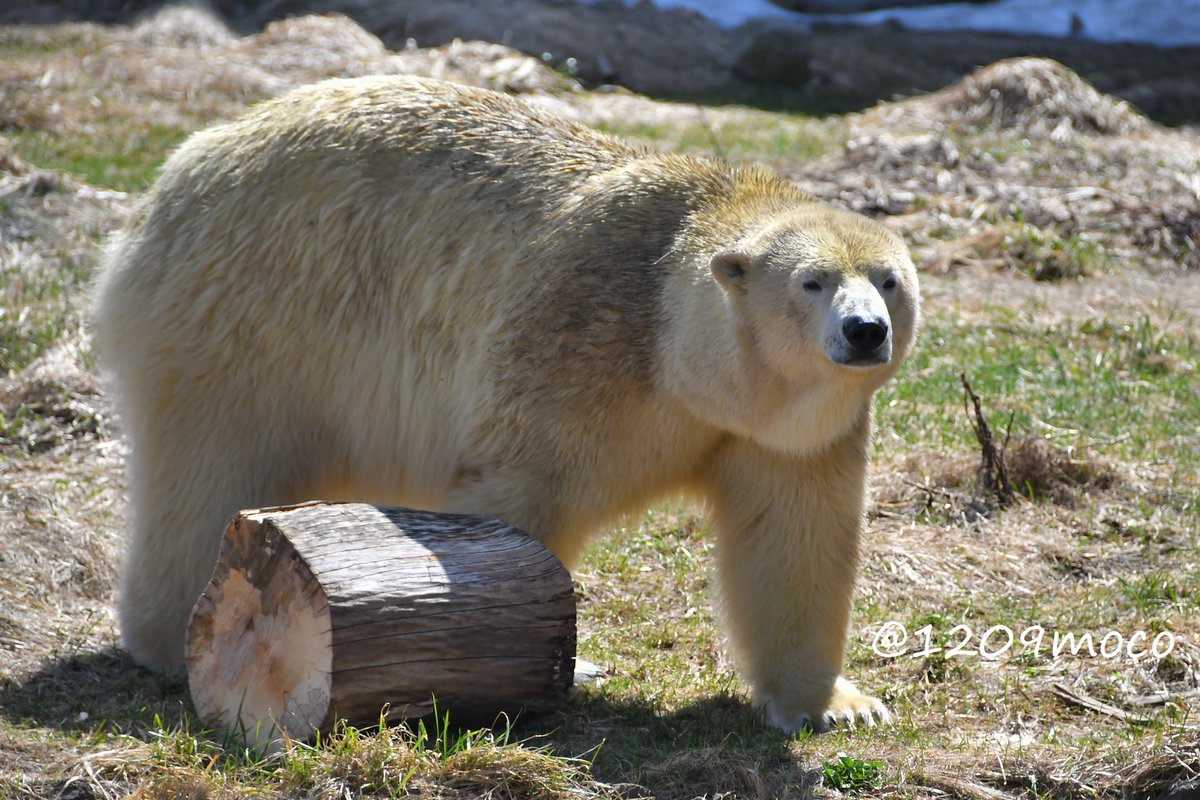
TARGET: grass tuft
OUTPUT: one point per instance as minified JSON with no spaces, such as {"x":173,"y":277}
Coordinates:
{"x":1046,"y":255}
{"x":852,"y":775}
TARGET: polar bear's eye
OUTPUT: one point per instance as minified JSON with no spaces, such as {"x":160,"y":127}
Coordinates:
{"x":812,"y":286}
{"x":889,"y":284}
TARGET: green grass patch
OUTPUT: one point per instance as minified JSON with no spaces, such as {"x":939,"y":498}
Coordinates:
{"x":1161,"y":594}
{"x":1120,"y":389}
{"x":23,"y":41}
{"x":23,"y":337}
{"x":1046,"y":255}
{"x":113,"y":155}
{"x":756,"y":136}
{"x":38,"y":303}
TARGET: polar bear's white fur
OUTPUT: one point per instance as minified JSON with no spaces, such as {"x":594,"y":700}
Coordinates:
{"x":402,"y":291}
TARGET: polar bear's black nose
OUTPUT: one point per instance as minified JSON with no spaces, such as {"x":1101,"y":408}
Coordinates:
{"x":864,"y":334}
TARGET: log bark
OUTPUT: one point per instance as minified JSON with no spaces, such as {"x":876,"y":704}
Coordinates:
{"x":323,"y":612}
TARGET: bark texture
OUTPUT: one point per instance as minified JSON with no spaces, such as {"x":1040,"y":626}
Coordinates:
{"x":323,"y":612}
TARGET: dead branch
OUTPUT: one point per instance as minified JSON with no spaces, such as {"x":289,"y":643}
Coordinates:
{"x":992,"y":485}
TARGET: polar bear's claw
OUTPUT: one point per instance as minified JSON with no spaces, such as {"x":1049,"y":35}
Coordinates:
{"x":845,"y":708}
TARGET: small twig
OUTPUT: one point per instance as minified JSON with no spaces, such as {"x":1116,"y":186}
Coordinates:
{"x":924,"y":487}
{"x":1078,"y":698}
{"x":1161,"y":698}
{"x":960,"y":787}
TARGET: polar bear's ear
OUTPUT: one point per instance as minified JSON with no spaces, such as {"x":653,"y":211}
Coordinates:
{"x":731,"y":269}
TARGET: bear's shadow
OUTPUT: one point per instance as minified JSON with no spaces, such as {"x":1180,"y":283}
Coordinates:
{"x":97,"y":690}
{"x":100,"y":692}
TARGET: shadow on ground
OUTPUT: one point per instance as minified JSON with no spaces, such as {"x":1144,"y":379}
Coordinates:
{"x":90,"y":692}
{"x":719,"y":741}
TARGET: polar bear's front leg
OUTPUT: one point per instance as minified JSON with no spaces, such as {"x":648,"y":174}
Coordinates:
{"x":787,"y":553}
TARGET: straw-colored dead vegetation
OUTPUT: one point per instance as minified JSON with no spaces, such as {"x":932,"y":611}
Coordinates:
{"x":1058,"y":234}
{"x":1027,"y":96}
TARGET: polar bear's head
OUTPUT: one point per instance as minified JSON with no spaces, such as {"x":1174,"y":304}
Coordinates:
{"x":823,"y":289}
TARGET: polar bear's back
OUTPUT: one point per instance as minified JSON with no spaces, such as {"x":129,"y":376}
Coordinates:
{"x":358,"y":242}
{"x":374,"y":170}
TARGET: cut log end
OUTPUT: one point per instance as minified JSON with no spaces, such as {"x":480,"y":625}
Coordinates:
{"x":260,"y":651}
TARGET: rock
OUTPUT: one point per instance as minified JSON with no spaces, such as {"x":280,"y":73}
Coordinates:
{"x":182,"y":26}
{"x":774,"y":53}
{"x":1167,"y":99}
{"x":1182,"y":789}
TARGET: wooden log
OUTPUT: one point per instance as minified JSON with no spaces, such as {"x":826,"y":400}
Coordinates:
{"x":322,"y":612}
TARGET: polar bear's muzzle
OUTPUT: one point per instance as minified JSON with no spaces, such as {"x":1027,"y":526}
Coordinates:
{"x":858,"y":328}
{"x":868,"y":340}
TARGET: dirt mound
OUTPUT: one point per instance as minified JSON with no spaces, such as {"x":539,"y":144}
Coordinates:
{"x":335,"y":45}
{"x":182,"y":26}
{"x":1041,"y":470}
{"x":189,"y":52}
{"x":329,"y":45}
{"x":1036,"y":95}
{"x":1022,"y":166}
{"x":1032,"y":97}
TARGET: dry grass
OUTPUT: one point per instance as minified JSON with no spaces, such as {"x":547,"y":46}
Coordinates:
{"x":1027,"y":97}
{"x":1039,"y":470}
{"x":1057,"y":234}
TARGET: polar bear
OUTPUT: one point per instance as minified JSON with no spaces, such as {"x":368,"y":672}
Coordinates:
{"x":409,"y":292}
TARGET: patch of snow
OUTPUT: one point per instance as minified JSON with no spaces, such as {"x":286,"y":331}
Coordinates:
{"x":1162,"y":22}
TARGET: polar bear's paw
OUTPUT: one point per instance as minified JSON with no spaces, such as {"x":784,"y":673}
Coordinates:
{"x":846,"y":707}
